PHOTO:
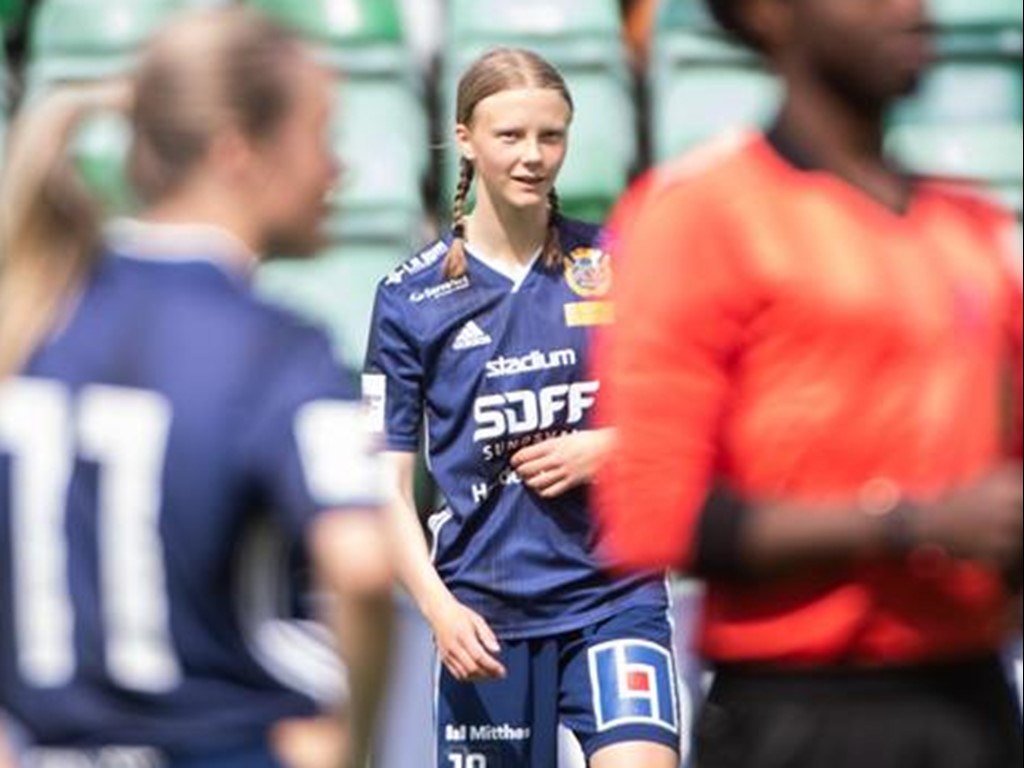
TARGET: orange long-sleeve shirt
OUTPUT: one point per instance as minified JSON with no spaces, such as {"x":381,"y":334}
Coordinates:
{"x":781,"y":331}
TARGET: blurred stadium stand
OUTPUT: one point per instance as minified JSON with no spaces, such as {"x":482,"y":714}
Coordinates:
{"x":382,"y":139}
{"x":75,"y":40}
{"x":966,"y":120}
{"x":700,"y":82}
{"x":4,"y":92}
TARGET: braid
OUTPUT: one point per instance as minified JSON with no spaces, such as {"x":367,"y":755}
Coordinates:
{"x":455,"y":260}
{"x":553,"y":255}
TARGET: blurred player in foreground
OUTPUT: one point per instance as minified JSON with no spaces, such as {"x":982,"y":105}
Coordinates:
{"x":815,"y":375}
{"x":156,"y":418}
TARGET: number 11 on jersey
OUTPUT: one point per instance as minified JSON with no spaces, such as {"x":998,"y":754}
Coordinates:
{"x":124,"y":431}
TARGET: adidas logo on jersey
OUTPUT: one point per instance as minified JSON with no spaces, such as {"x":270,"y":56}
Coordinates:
{"x":471,"y":335}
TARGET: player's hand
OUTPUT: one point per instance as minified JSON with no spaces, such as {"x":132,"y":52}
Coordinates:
{"x":982,"y":521}
{"x":467,"y":646}
{"x":554,"y":466}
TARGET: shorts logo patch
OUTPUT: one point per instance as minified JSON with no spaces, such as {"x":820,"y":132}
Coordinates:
{"x":633,"y":683}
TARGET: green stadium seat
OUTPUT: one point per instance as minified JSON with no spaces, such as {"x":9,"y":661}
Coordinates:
{"x":979,"y":27}
{"x":979,"y":90}
{"x":383,"y":134}
{"x":3,"y":101}
{"x":567,"y":30}
{"x":100,"y":149}
{"x":602,"y":147}
{"x":966,"y":120}
{"x":976,"y":13}
{"x":10,"y":13}
{"x":989,"y":153}
{"x":74,"y":40}
{"x":685,"y":32}
{"x":356,"y":36}
{"x":336,"y":289}
{"x":584,"y":40}
{"x":685,"y":16}
{"x":695,"y":104}
{"x":701,"y":82}
{"x":381,"y":137}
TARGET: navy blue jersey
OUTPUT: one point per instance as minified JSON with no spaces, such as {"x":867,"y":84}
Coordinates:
{"x":492,"y":365}
{"x":174,"y":439}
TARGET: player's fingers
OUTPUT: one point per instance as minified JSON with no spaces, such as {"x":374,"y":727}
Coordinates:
{"x":550,"y":478}
{"x":556,"y":489}
{"x":486,"y":634}
{"x":468,"y":663}
{"x":451,"y":663}
{"x":478,"y":663}
{"x":530,"y":469}
{"x":528,"y":454}
{"x":543,"y":476}
{"x":487,"y":666}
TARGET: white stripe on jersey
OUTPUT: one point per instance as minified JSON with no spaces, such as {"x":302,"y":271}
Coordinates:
{"x":299,"y":654}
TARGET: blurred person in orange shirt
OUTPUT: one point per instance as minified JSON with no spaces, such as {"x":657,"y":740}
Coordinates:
{"x":168,"y":441}
{"x":816,"y":380}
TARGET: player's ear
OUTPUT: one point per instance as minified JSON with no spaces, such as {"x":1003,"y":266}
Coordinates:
{"x":464,"y":142}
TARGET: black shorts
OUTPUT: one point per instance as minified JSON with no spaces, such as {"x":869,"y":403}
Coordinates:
{"x":962,"y":715}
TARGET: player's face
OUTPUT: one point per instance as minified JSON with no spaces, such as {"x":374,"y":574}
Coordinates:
{"x":517,"y":141}
{"x":298,"y":168}
{"x":871,"y":50}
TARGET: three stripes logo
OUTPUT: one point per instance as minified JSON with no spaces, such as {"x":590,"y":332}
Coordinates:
{"x":471,"y":335}
{"x":633,"y":683}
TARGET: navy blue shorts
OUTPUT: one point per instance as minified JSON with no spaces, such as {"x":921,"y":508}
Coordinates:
{"x":609,"y":683}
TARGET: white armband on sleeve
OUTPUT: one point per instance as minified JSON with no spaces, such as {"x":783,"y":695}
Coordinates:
{"x":339,"y":455}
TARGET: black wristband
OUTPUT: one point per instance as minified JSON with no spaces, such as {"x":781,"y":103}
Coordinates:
{"x":718,"y":546}
{"x":900,"y":535}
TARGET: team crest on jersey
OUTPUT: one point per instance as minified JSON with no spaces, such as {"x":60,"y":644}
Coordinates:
{"x":589,"y":272}
{"x":633,"y":683}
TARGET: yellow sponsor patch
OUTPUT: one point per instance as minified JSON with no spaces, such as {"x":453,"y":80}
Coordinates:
{"x":583,"y":313}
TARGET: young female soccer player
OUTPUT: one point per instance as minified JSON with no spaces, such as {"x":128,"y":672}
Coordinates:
{"x":483,"y":339}
{"x":155,"y":416}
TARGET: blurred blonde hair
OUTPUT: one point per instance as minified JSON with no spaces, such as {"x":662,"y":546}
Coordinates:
{"x":207,"y":71}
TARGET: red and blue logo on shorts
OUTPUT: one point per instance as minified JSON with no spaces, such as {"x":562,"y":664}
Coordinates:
{"x":633,"y":683}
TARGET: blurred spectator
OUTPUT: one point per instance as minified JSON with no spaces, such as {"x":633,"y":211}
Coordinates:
{"x":639,"y":17}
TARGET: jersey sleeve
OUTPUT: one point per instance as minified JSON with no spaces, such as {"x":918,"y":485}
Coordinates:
{"x":682,"y":307}
{"x":393,"y":374}
{"x":308,"y":447}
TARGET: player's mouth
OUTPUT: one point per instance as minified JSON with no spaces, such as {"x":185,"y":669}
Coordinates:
{"x":530,"y":181}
